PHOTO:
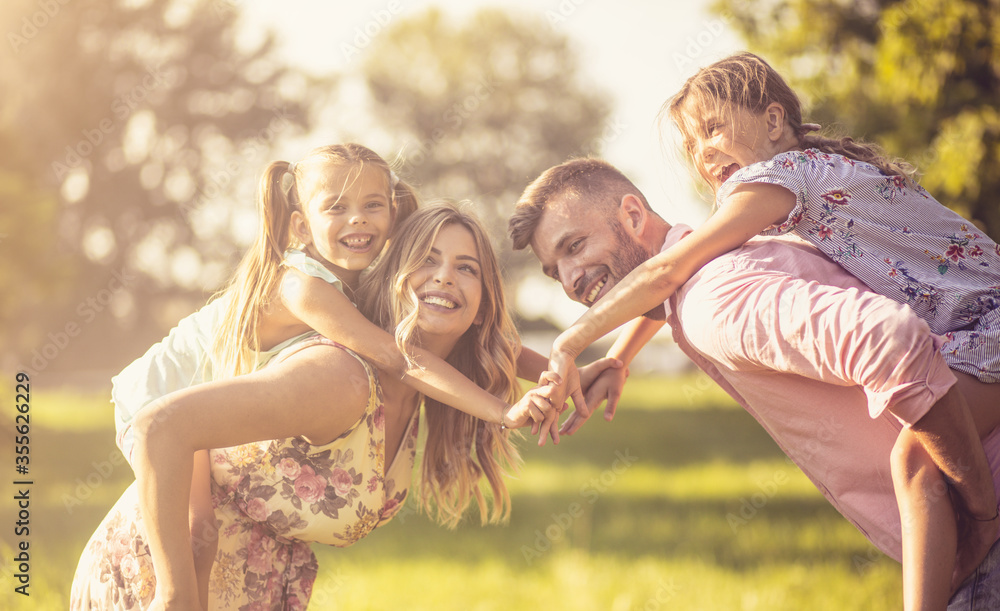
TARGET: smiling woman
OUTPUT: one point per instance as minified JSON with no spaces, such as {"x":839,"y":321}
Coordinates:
{"x":297,"y":466}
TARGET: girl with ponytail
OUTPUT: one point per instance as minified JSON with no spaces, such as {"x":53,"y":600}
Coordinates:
{"x":324,"y":220}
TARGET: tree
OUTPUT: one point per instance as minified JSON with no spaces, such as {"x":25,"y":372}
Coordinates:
{"x":921,"y":77}
{"x":483,"y":107}
{"x":135,"y":132}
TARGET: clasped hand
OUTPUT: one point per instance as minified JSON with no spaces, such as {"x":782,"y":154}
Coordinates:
{"x":541,"y":406}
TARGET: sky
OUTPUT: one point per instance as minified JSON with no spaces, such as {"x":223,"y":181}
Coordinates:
{"x":639,"y":52}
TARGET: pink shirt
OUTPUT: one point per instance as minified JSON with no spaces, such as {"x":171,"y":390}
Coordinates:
{"x":830,"y":370}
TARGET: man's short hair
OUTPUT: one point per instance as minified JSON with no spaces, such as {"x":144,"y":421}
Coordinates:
{"x":596,"y":179}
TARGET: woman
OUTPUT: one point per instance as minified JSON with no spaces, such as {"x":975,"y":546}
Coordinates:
{"x":334,"y":470}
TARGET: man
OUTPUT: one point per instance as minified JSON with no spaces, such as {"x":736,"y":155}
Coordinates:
{"x":790,"y":335}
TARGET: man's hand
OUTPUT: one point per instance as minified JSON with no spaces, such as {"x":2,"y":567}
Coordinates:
{"x":602,"y":380}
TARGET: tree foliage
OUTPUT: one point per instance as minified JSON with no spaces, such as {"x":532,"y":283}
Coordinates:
{"x":481,"y":108}
{"x":920,"y":77}
{"x":128,"y":126}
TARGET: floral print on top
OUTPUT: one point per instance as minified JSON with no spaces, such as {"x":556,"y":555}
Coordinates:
{"x":899,"y":241}
{"x":272,"y":499}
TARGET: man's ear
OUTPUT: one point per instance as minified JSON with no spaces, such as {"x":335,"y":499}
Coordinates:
{"x":633,"y":214}
{"x":300,"y":228}
{"x":775,"y":115}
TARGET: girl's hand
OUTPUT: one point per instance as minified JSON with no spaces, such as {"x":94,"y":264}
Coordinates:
{"x":536,"y":406}
{"x":975,"y":539}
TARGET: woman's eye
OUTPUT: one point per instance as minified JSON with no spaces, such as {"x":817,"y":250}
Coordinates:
{"x":470,"y":269}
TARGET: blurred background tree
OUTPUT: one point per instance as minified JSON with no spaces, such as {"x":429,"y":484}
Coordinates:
{"x":481,"y":108}
{"x":129,"y":133}
{"x":920,"y":77}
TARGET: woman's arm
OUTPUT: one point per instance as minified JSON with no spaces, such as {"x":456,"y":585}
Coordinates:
{"x":751,"y":209}
{"x":328,"y":311}
{"x":287,"y":399}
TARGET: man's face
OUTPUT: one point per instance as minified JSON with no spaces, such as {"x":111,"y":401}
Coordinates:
{"x":585,"y":247}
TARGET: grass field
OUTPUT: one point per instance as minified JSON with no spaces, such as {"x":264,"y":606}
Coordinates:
{"x":683,"y":502}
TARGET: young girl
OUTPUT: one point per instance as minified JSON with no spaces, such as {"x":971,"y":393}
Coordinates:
{"x":315,"y":238}
{"x":742,"y":128}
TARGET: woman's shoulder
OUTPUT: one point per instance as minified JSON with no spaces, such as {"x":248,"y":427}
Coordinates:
{"x":350,"y":373}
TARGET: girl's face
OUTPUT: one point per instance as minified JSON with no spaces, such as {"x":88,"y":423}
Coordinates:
{"x":449,"y":289}
{"x":345,"y":219}
{"x":723,"y":140}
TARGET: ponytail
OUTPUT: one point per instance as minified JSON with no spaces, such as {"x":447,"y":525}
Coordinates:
{"x":249,"y":291}
{"x":405,"y":202}
{"x":867,"y":152}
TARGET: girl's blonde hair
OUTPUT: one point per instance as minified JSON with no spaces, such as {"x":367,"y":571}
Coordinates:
{"x":460,"y":448}
{"x":747,"y":81}
{"x":251,"y":288}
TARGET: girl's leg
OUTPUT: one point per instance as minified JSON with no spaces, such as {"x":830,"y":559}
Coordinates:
{"x":983,"y":400}
{"x":976,"y":535}
{"x":204,"y":533}
{"x":930,"y":535}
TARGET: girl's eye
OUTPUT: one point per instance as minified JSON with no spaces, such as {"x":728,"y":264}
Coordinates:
{"x":375,"y":204}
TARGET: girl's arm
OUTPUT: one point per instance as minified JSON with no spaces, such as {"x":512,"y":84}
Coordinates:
{"x":287,"y":399}
{"x":328,"y":311}
{"x":751,"y":208}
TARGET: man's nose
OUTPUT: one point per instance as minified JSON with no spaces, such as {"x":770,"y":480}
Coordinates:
{"x":569,"y":276}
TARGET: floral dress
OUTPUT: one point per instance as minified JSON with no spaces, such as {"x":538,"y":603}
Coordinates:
{"x":899,"y":241}
{"x":272,"y":499}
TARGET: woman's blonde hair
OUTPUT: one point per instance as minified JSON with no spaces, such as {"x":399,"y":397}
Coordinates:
{"x":747,"y":81}
{"x":251,"y":288}
{"x":460,"y":448}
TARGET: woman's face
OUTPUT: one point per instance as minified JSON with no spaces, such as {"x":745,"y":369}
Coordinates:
{"x":449,"y":289}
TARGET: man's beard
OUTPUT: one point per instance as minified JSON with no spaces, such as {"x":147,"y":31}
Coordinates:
{"x":629,"y":255}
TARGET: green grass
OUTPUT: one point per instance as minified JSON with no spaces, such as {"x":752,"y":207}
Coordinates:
{"x":635,"y":514}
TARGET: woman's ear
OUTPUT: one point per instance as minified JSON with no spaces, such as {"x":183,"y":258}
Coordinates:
{"x":300,"y":228}
{"x":775,"y":115}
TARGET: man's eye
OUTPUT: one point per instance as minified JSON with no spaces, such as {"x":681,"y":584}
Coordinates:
{"x":575,"y":245}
